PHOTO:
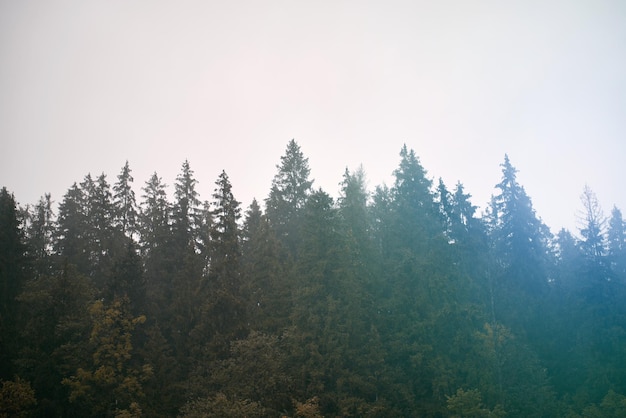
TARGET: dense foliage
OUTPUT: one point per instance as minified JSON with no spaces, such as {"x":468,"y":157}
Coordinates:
{"x":402,"y":301}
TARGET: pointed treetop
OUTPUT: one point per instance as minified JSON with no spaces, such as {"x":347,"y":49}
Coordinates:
{"x":291,"y":185}
{"x":410,"y":173}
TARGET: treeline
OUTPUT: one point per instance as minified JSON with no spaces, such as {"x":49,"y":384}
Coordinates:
{"x":398,"y":302}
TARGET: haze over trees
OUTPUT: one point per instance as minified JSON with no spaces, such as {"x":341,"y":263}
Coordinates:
{"x":397,"y":301}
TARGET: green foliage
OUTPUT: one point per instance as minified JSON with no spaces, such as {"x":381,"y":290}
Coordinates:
{"x":39,"y":235}
{"x":520,"y":239}
{"x":289,"y":192}
{"x":13,"y":270}
{"x":125,"y":204}
{"x":616,"y":237}
{"x":402,"y":302}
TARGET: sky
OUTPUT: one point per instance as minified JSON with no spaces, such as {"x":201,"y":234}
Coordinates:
{"x":87,"y":85}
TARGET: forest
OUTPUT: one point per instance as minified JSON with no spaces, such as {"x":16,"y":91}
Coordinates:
{"x":402,"y":301}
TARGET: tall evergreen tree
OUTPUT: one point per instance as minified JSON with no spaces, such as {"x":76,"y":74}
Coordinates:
{"x":223,"y":306}
{"x":380,"y":214}
{"x":154,"y":218}
{"x":464,"y":221}
{"x":617,"y":244}
{"x":127,"y":280}
{"x":107,"y":242}
{"x":569,"y":259}
{"x":72,"y":236}
{"x":225,"y":234}
{"x":125,"y":204}
{"x":181,"y":274}
{"x":593,"y":243}
{"x":39,"y":233}
{"x":291,"y":187}
{"x":444,"y":199}
{"x":415,"y":215}
{"x":186,"y":210}
{"x":13,"y":272}
{"x":353,"y":206}
{"x":252,"y":223}
{"x":266,"y":285}
{"x":519,"y":236}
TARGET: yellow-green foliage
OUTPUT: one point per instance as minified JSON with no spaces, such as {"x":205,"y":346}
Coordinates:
{"x":16,"y":398}
{"x":469,"y":404}
{"x":110,"y":379}
{"x":309,"y":409}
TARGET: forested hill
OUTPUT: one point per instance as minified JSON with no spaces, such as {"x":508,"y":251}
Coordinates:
{"x":396,"y":302}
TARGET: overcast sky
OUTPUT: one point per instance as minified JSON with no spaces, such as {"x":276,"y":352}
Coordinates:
{"x":87,"y":85}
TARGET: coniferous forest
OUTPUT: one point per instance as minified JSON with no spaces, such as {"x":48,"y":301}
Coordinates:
{"x":126,"y":300}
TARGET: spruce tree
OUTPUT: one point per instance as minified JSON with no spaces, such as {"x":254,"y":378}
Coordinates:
{"x":617,"y":245}
{"x":290,"y":189}
{"x":186,"y":210}
{"x":125,"y":204}
{"x":154,"y":217}
{"x":415,"y":216}
{"x":72,"y":237}
{"x":222,"y":307}
{"x":353,"y":207}
{"x":107,"y":242}
{"x":266,"y":284}
{"x":519,"y":237}
{"x":225,"y":234}
{"x":13,"y":273}
{"x":39,"y":233}
{"x":593,"y":243}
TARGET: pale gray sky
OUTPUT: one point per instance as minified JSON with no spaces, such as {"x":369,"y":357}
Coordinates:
{"x":86,"y":85}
